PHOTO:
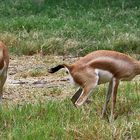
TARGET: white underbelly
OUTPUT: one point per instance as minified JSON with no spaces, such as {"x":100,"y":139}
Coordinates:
{"x":104,"y":76}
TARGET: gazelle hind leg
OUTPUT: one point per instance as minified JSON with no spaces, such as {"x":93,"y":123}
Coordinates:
{"x":89,"y":86}
{"x":114,"y":95}
{"x":108,"y":95}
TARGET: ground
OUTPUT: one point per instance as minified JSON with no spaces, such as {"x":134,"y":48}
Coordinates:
{"x":30,"y":112}
{"x":28,"y":80}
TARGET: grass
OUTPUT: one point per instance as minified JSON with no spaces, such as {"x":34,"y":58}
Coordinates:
{"x":63,"y":27}
{"x":61,"y":120}
{"x":37,"y":72}
{"x":29,"y":27}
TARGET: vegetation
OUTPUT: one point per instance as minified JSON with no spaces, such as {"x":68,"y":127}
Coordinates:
{"x":61,"y":120}
{"x":70,"y":27}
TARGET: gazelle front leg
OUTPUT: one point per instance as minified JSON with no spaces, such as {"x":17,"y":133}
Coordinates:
{"x":76,"y":95}
{"x":1,"y":93}
{"x":90,"y":85}
{"x":2,"y":82}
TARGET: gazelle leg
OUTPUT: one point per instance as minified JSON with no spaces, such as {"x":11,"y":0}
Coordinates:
{"x":108,"y":95}
{"x":76,"y":95}
{"x":86,"y":91}
{"x":1,"y":93}
{"x":114,"y":95}
{"x":2,"y":82}
{"x":84,"y":95}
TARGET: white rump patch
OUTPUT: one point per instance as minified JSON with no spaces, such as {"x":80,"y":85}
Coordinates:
{"x":104,"y":76}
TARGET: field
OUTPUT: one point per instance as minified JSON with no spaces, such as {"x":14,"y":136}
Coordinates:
{"x":43,"y":33}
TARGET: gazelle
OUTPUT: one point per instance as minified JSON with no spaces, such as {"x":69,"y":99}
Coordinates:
{"x":4,"y":62}
{"x":97,"y":68}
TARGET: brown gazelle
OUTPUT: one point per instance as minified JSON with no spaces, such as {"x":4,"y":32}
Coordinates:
{"x":4,"y":62}
{"x":97,"y":68}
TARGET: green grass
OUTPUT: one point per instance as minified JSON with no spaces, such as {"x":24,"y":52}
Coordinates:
{"x":61,"y":120}
{"x":70,"y":27}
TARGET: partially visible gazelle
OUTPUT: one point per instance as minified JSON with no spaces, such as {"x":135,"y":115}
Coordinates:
{"x":4,"y":62}
{"x":97,"y":68}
